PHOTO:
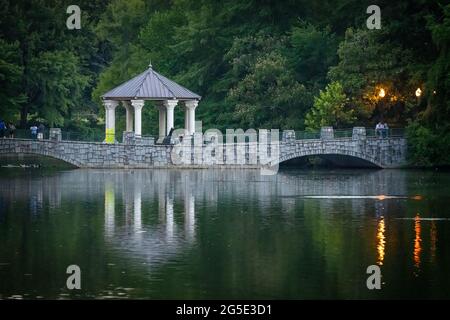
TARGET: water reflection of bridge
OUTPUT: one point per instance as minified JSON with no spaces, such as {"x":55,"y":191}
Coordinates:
{"x":188,"y":186}
{"x":152,"y":214}
{"x":151,"y":242}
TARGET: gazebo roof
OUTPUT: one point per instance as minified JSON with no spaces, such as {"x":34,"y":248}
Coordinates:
{"x":150,"y":85}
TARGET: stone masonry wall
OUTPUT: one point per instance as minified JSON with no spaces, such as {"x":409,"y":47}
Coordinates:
{"x":92,"y":155}
{"x":385,"y":153}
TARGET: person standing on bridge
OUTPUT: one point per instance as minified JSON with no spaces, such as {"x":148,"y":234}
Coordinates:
{"x":41,"y":130}
{"x":379,"y":129}
{"x":2,"y":129}
{"x":34,"y":131}
{"x":385,"y":130}
{"x":11,"y":130}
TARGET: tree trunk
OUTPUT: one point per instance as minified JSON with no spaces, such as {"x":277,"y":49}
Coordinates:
{"x":24,"y":116}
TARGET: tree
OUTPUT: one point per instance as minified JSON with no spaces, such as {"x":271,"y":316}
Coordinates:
{"x":330,"y":109}
{"x":57,"y":85}
{"x":38,"y":27}
{"x":269,"y":96}
{"x":438,"y":94}
{"x":120,"y":25}
{"x":368,"y":63}
{"x":11,"y":96}
{"x":312,"y":51}
{"x":429,"y":134}
{"x":156,"y":38}
{"x":428,"y":146}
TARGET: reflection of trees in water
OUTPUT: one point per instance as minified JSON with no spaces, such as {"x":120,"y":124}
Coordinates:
{"x":433,"y":240}
{"x":206,"y":185}
{"x":253,"y":231}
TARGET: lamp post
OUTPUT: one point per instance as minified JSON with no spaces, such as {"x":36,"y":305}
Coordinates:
{"x":418,"y":92}
{"x":380,"y":103}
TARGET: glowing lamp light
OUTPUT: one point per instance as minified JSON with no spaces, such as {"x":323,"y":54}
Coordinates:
{"x":381,"y":93}
{"x":418,"y":92}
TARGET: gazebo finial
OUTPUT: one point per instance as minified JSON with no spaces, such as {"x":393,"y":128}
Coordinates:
{"x":150,"y":64}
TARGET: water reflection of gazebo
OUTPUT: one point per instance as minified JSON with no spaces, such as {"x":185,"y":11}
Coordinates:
{"x":149,"y":85}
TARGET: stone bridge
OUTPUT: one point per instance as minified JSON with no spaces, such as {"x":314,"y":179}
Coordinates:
{"x":357,"y":149}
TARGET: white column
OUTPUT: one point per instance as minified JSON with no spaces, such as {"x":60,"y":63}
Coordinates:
{"x":170,"y":226}
{"x":189,"y":213}
{"x":137,"y":105}
{"x":137,"y":206}
{"x":110,"y":120}
{"x":191,"y":105}
{"x":186,"y":120}
{"x":162,"y":120}
{"x":129,"y":113}
{"x":170,"y":106}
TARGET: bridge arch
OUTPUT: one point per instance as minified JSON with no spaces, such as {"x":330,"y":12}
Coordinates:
{"x":53,"y":156}
{"x":37,"y":148}
{"x":344,"y":158}
{"x":65,"y":160}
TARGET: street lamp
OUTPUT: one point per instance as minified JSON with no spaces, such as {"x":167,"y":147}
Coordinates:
{"x":418,"y":92}
{"x":381,"y":93}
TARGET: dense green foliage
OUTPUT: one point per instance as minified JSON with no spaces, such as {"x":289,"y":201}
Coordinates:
{"x":330,"y":109}
{"x":255,"y":63}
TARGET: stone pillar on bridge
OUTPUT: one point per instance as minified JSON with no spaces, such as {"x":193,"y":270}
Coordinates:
{"x":288,"y":136}
{"x":359,"y":133}
{"x":55,"y":134}
{"x":326,"y":133}
{"x":110,"y":120}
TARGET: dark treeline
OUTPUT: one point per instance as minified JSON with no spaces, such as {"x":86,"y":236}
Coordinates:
{"x":291,"y":64}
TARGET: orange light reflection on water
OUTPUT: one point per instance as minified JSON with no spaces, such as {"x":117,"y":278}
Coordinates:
{"x":381,"y":240}
{"x":417,"y":242}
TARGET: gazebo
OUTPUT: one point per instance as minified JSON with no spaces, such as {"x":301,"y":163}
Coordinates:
{"x":149,"y":85}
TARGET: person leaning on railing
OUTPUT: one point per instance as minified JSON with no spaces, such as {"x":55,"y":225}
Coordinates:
{"x":385,"y":130}
{"x":382,"y":129}
{"x":379,"y":129}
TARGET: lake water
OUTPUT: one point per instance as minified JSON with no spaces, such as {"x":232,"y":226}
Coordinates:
{"x":224,"y":234}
